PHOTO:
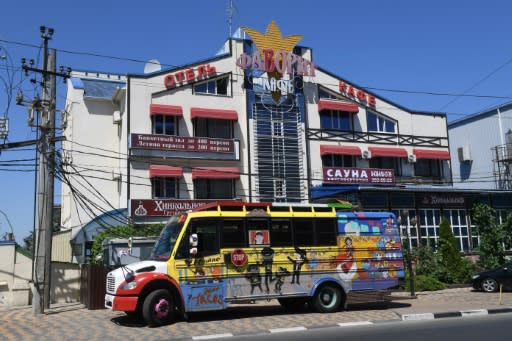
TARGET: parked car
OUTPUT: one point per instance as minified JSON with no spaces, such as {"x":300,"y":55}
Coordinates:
{"x":490,"y":281}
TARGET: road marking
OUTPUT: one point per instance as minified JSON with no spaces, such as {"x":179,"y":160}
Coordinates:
{"x":284,"y":330}
{"x":478,"y":312}
{"x":415,"y":317}
{"x":357,"y":323}
{"x":212,"y":336}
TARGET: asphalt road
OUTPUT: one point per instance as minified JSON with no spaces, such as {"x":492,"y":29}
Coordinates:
{"x":490,"y":327}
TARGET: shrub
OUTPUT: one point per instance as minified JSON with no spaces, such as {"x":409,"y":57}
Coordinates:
{"x":425,"y":283}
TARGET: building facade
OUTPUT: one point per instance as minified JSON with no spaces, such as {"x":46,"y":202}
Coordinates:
{"x":260,"y":121}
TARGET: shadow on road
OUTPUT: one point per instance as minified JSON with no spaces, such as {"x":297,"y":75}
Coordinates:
{"x":251,"y":311}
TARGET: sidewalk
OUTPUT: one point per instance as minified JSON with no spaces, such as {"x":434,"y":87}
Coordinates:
{"x":73,"y":322}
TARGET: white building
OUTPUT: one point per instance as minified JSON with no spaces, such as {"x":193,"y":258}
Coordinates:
{"x":481,"y":149}
{"x":241,"y":126}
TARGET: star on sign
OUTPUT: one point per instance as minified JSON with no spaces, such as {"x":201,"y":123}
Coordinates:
{"x":273,"y":39}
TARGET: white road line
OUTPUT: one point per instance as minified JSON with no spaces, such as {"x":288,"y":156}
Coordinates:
{"x":478,"y":312}
{"x":284,"y":330}
{"x":212,"y":336}
{"x":414,"y":317}
{"x":357,"y":323}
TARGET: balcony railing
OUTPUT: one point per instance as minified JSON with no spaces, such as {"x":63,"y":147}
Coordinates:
{"x":376,"y":138}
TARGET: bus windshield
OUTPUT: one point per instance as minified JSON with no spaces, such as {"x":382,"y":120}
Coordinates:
{"x":165,"y":243}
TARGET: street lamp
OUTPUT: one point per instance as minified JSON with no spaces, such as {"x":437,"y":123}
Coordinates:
{"x":10,"y":235}
{"x":402,"y":218}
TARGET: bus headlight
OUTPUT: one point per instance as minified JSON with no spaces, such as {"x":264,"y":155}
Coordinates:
{"x":130,"y":285}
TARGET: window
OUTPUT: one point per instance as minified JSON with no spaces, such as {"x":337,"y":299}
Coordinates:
{"x":428,"y":167}
{"x":217,"y":86}
{"x":233,"y":233}
{"x":429,"y":220}
{"x":380,"y":124}
{"x":258,"y":231}
{"x":325,"y":231}
{"x":387,"y":163}
{"x":208,"y":239}
{"x":281,"y":232}
{"x":332,"y":119}
{"x":338,"y":160}
{"x":164,"y":187}
{"x":458,"y":223}
{"x":164,"y":125}
{"x":303,"y":232}
{"x":214,"y":189}
{"x":209,"y":127}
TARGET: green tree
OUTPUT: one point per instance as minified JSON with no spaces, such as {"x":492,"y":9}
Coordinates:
{"x":122,"y":231}
{"x":448,"y":254}
{"x":492,"y":236}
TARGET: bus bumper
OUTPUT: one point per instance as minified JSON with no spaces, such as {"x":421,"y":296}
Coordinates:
{"x":121,"y":303}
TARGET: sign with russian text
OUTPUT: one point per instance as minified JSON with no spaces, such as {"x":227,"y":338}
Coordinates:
{"x":274,"y":58}
{"x":350,"y":175}
{"x":182,"y":143}
{"x":440,"y":199}
{"x":163,"y":207}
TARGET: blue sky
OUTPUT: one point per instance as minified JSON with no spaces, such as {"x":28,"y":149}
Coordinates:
{"x":409,"y":50}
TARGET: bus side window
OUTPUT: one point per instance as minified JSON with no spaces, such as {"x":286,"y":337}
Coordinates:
{"x":303,"y":232}
{"x":183,"y":251}
{"x":208,"y":238}
{"x":325,"y":231}
{"x":233,"y":233}
{"x":257,"y":229}
{"x":281,"y":232}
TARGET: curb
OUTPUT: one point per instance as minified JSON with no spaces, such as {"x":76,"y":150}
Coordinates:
{"x":462,"y":313}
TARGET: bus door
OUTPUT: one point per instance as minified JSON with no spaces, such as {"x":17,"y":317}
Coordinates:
{"x":200,"y":268}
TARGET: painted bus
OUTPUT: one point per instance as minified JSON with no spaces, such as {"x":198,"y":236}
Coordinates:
{"x":229,"y":252}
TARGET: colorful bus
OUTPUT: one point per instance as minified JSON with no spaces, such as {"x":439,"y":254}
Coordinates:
{"x":229,"y":252}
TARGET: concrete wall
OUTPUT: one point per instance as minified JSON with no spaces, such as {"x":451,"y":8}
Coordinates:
{"x":65,"y":283}
{"x":15,"y":274}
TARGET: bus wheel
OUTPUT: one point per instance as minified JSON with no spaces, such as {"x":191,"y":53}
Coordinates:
{"x":158,"y":308}
{"x":292,"y":304}
{"x":327,"y":299}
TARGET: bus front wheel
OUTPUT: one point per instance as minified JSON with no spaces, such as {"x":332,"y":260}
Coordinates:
{"x":158,"y":308}
{"x":328,"y":299}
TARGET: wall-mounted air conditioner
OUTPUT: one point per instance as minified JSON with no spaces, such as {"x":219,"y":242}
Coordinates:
{"x":411,"y":158}
{"x":367,"y":154}
{"x":464,"y":154}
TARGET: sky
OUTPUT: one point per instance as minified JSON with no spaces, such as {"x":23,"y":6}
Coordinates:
{"x":438,"y":56}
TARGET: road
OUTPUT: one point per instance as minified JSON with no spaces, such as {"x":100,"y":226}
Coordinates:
{"x":489,"y":327}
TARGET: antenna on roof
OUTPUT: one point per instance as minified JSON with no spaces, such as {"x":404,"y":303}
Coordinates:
{"x":229,"y":12}
{"x":152,"y":65}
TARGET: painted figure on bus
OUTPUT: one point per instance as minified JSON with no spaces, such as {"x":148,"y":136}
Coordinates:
{"x":280,"y":277}
{"x":254,"y":277}
{"x":267,"y":254}
{"x":298,"y":261}
{"x":346,"y":267}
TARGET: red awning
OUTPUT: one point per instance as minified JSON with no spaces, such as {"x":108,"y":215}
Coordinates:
{"x":388,"y":151}
{"x":337,"y":105}
{"x":163,"y":109}
{"x":215,"y":173}
{"x":220,"y":114}
{"x":345,"y":150}
{"x":431,"y":154}
{"x":165,"y":171}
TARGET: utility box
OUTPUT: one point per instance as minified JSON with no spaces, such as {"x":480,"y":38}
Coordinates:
{"x":118,"y":251}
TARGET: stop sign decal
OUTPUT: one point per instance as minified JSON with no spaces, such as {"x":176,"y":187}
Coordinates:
{"x":239,"y":257}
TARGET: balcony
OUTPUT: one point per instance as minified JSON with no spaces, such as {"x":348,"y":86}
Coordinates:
{"x":336,"y":135}
{"x":184,"y":147}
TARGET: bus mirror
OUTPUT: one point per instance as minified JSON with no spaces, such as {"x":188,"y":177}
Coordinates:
{"x":193,"y":251}
{"x":193,"y":240}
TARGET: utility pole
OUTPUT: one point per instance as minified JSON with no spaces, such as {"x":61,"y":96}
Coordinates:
{"x":46,"y":171}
